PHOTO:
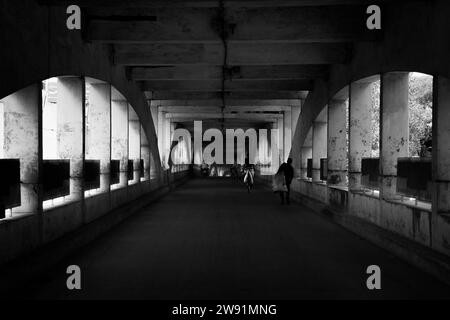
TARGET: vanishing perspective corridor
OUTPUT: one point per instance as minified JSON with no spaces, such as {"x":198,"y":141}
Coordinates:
{"x":210,"y":239}
{"x":130,"y":132}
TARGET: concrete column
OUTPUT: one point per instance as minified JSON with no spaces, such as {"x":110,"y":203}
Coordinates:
{"x":161,"y":119}
{"x":306,"y":153}
{"x":119,"y":137}
{"x":441,"y":150}
{"x":296,"y":109}
{"x":287,"y":132}
{"x":22,"y":140}
{"x":176,"y":150}
{"x":168,"y":126}
{"x":319,"y":147}
{"x":70,"y":130}
{"x":134,"y":143}
{"x":360,"y":136}
{"x":296,"y":147}
{"x":164,"y":137}
{"x":154,"y":113}
{"x":280,"y":126}
{"x":275,"y":134}
{"x":98,"y":129}
{"x":394,"y":135}
{"x":145,"y":154}
{"x":154,"y":174}
{"x":337,"y":142}
{"x":296,"y":158}
{"x":263,"y":150}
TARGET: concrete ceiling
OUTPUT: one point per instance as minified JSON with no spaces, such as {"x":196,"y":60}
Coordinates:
{"x":256,"y":54}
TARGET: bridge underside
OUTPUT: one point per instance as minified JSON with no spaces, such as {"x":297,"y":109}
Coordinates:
{"x":99,"y":127}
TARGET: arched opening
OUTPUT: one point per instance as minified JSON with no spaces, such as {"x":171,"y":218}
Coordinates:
{"x":66,"y":139}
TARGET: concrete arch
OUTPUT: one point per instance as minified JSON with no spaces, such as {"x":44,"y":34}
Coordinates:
{"x":49,"y":49}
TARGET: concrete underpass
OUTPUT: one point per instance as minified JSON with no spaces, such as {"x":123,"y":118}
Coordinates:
{"x":128,"y":130}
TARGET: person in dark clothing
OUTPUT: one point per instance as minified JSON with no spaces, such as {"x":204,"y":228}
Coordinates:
{"x":288,"y":172}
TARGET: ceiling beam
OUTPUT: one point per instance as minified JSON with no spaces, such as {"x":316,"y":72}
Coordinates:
{"x":194,"y":25}
{"x":247,"y":116}
{"x":235,"y":85}
{"x":228,"y":102}
{"x":202,"y":3}
{"x":214,"y":109}
{"x":192,"y":72}
{"x":254,"y":54}
{"x":199,"y":95}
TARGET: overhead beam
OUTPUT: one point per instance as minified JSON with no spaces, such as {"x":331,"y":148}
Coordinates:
{"x":198,"y":95}
{"x":214,"y":109}
{"x":193,"y":72}
{"x":228,"y":102}
{"x":224,"y":123}
{"x":201,"y":3}
{"x":246,"y":116}
{"x":253,"y":54}
{"x":195,"y":25}
{"x":236,"y":85}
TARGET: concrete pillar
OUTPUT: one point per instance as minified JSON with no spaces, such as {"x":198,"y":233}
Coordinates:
{"x":168,"y":129}
{"x":296,"y":109}
{"x":145,"y":155}
{"x":360,"y":136}
{"x":275,"y":134}
{"x":98,"y":129}
{"x":263,"y":150}
{"x":281,"y":147}
{"x":154,"y":113}
{"x":441,"y":150}
{"x":119,"y":137}
{"x":306,"y":153}
{"x":296,"y":147}
{"x":164,"y":137}
{"x":319,"y":147}
{"x":296,"y":158}
{"x":134,"y":143}
{"x":70,"y":137}
{"x":394,"y":136}
{"x":161,"y":119}
{"x":22,"y":140}
{"x":154,"y":174}
{"x":176,"y":150}
{"x":287,"y":132}
{"x":337,"y":142}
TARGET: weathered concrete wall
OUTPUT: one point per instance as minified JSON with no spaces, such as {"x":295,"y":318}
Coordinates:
{"x":360,"y":135}
{"x":70,"y":130}
{"x":337,"y":142}
{"x":40,"y":47}
{"x":23,"y":234}
{"x":119,"y":137}
{"x":21,"y":126}
{"x":98,"y":130}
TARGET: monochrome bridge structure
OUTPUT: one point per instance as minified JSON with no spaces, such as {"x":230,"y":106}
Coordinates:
{"x":93,"y":175}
